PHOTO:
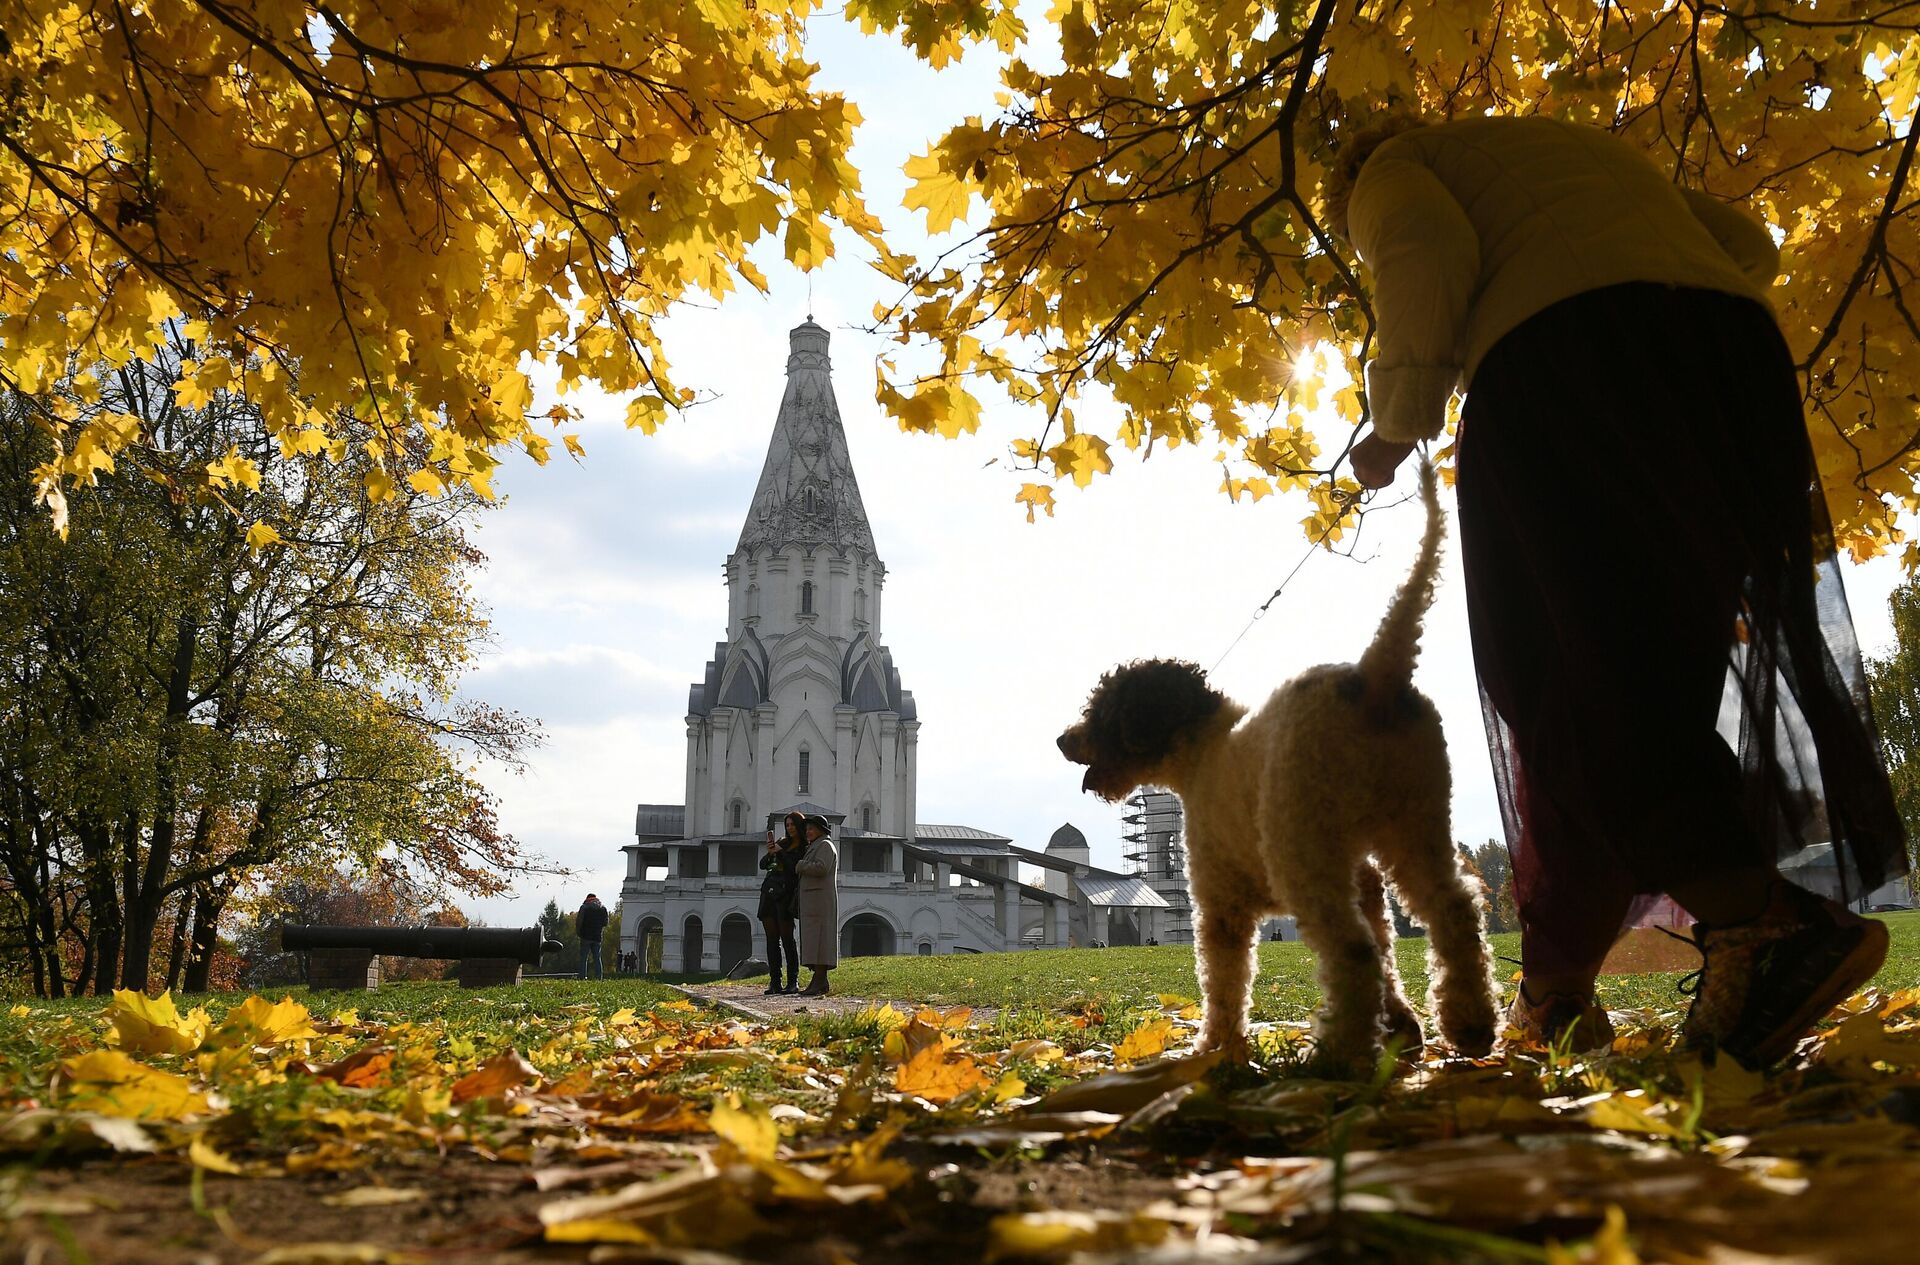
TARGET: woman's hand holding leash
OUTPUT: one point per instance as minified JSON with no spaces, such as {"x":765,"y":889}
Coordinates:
{"x":1375,"y":460}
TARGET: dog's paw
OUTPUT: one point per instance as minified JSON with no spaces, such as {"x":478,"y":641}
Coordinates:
{"x":1475,"y":1041}
{"x":1328,"y":1065}
{"x":1231,"y":1047}
{"x":1402,"y":1032}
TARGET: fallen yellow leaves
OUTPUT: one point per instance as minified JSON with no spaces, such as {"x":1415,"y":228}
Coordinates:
{"x":1054,"y":1234}
{"x":110,"y":1083}
{"x":151,"y":1025}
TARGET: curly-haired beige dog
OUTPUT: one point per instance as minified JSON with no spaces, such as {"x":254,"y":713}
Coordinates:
{"x":1303,"y":807}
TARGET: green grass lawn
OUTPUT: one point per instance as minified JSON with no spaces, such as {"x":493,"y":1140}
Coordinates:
{"x":425,"y":1001}
{"x":1119,"y":979}
{"x":1103,"y":980}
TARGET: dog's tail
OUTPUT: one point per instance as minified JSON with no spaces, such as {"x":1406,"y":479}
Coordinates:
{"x":1387,"y":665}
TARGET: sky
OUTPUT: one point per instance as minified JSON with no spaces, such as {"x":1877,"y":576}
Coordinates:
{"x":604,"y":576}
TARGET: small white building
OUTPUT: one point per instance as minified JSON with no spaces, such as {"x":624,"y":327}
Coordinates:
{"x":801,"y":707}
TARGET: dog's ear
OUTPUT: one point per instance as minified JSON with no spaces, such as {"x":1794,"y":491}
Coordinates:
{"x":1146,"y":706}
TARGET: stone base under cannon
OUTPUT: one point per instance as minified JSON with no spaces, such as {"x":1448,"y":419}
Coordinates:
{"x":487,"y":972}
{"x":330,"y":970}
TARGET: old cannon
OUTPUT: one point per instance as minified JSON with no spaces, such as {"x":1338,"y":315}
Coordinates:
{"x":348,"y":957}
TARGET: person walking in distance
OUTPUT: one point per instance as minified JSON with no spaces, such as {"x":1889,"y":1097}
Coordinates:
{"x":780,"y":904}
{"x":819,"y":904}
{"x":589,"y":924}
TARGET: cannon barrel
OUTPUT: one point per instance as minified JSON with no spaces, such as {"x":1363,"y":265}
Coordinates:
{"x":523,"y":944}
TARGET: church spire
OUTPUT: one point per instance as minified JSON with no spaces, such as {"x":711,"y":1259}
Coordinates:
{"x":807,"y":494}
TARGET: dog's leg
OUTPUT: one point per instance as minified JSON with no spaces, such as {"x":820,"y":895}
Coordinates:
{"x":1348,"y":961}
{"x":1399,"y":1022}
{"x":1426,"y":873}
{"x":1224,"y":941}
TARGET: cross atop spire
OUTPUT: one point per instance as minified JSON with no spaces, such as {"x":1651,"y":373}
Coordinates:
{"x":807,"y":493}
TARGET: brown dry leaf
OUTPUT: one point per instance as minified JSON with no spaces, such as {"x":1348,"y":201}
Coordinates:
{"x":1028,"y":1129}
{"x":699,"y":1205}
{"x":1128,"y":1091}
{"x":495,"y":1078}
{"x":333,"y":1254}
{"x":374,"y":1197}
{"x":365,"y":1068}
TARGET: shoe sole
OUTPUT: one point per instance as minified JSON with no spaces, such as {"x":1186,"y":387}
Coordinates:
{"x":1852,"y":972}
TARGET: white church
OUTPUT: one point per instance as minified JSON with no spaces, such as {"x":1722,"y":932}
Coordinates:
{"x":802,"y":708}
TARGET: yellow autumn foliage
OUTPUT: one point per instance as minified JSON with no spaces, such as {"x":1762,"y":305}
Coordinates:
{"x":1152,"y":230}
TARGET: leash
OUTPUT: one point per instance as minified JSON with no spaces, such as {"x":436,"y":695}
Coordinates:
{"x":1344,"y":500}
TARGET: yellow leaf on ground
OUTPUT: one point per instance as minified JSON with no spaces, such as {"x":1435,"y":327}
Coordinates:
{"x":112,"y":1084}
{"x":622,"y":1018}
{"x":151,"y":1025}
{"x":603,"y":1230}
{"x":939,"y":1075}
{"x":1144,"y":1042}
{"x":257,"y":1021}
{"x":747,"y":1125}
{"x":1630,"y":1112}
{"x":204,"y":1156}
{"x":1050,"y":1234}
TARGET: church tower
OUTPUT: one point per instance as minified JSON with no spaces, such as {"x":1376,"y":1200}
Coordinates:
{"x":801,"y":704}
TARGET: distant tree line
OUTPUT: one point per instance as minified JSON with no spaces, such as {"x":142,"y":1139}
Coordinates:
{"x":193,"y":710}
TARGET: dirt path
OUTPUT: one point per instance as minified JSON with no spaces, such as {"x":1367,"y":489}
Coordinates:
{"x":752,"y":1000}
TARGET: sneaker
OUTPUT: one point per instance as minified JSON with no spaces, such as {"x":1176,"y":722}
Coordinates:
{"x":1765,"y":982}
{"x":1578,"y":1024}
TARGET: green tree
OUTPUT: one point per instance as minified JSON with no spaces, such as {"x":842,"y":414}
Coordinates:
{"x":1495,"y":868}
{"x":1895,"y":683}
{"x":192,"y":704}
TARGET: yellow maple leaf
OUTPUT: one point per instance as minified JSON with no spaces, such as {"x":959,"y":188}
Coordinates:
{"x":943,"y":195}
{"x":938,"y":1074}
{"x":1144,"y":1042}
{"x":112,"y":1084}
{"x":234,"y":469}
{"x":260,"y":536}
{"x":151,"y":1025}
{"x":257,"y":1021}
{"x":747,"y":1125}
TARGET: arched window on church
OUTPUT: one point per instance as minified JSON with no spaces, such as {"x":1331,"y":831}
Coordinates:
{"x":753,"y":599}
{"x":806,"y":597}
{"x":810,"y":500}
{"x":860,"y":605}
{"x":737,"y":815}
{"x":866,"y":816}
{"x":806,"y":762}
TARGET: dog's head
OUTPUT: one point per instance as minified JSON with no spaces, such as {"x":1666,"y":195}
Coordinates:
{"x":1137,"y":716}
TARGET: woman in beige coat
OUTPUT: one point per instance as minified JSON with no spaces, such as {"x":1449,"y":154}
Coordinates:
{"x":819,"y":904}
{"x":1673,"y":692}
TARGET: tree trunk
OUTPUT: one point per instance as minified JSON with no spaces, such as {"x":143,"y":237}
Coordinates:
{"x":104,"y":923}
{"x":145,"y":893}
{"x":207,"y":906}
{"x":177,"y":942}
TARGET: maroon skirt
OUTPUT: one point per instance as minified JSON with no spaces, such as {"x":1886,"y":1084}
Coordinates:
{"x":1670,"y":678}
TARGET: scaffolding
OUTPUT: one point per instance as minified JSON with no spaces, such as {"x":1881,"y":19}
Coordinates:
{"x":1153,"y":840}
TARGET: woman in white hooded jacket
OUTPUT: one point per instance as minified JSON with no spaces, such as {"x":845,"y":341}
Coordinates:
{"x":1648,"y":560}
